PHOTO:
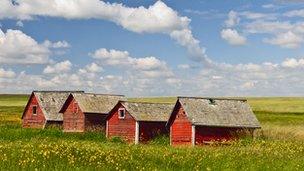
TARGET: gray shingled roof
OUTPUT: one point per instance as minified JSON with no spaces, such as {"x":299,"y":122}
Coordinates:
{"x":223,"y":112}
{"x":96,"y":103}
{"x":51,"y":102}
{"x":142,"y":111}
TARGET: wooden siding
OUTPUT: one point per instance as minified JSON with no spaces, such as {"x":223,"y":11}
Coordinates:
{"x":181,"y":127}
{"x":33,"y":121}
{"x":124,"y":128}
{"x":73,"y":121}
{"x":149,"y":130}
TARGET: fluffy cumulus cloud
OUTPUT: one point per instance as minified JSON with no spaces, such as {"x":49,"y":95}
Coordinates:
{"x":148,"y":75}
{"x":284,"y":33}
{"x":145,"y":67}
{"x":284,"y":78}
{"x":19,"y":48}
{"x":60,"y":67}
{"x":233,"y":37}
{"x":277,"y":28}
{"x":130,"y":75}
{"x":293,"y":63}
{"x":286,"y":40}
{"x":233,"y":19}
{"x":93,"y":67}
{"x":56,"y":45}
{"x":157,"y":18}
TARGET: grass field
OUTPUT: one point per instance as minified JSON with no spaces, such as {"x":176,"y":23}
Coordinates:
{"x":279,"y":145}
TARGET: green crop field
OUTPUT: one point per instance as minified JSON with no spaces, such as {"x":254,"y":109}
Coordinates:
{"x":279,"y":145}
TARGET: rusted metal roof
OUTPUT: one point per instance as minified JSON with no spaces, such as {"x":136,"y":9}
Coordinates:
{"x":51,"y":102}
{"x":219,"y":112}
{"x":143,"y":111}
{"x":96,"y":103}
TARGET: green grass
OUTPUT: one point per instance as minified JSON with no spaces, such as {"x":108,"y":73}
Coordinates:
{"x":13,"y":99}
{"x":279,"y":145}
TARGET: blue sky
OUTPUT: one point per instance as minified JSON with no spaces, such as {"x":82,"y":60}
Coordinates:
{"x":153,"y":48}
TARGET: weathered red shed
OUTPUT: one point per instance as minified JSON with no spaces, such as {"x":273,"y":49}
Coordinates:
{"x":137,"y":121}
{"x":42,"y":109}
{"x":196,"y":120}
{"x":87,"y":111}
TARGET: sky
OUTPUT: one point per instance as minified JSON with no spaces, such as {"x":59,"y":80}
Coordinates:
{"x":153,"y":48}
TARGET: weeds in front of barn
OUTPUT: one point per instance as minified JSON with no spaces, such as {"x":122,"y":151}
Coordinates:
{"x":278,"y":146}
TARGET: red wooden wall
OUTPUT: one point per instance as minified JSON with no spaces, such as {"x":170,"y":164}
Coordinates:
{"x":33,"y":121}
{"x":124,"y":128}
{"x":149,"y":130}
{"x":73,"y":122}
{"x":181,"y":127}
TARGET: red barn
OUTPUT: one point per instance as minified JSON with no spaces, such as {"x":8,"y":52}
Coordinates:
{"x":42,"y":109}
{"x":86,"y":111}
{"x":197,"y":120}
{"x":138,"y":121}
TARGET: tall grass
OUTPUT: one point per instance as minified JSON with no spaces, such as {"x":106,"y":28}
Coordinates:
{"x":48,"y":154}
{"x":279,"y":145}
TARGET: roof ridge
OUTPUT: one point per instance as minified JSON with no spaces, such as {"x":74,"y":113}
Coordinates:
{"x":56,"y":91}
{"x":144,"y":102}
{"x":213,"y":98}
{"x":102,"y":94}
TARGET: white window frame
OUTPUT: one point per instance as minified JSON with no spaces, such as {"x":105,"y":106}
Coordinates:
{"x":35,"y":111}
{"x":124,"y":110}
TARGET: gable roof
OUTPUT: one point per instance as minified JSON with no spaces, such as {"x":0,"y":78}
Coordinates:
{"x":222,"y":112}
{"x":50,"y":103}
{"x":96,"y":103}
{"x":143,"y":111}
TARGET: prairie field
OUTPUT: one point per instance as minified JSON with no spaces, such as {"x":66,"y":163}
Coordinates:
{"x":279,"y":145}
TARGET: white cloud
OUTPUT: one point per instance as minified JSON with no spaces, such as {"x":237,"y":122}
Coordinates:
{"x":185,"y":38}
{"x":157,"y":18}
{"x":295,"y":13}
{"x":6,"y":73}
{"x":268,"y":6}
{"x":233,"y":19}
{"x":90,"y":71}
{"x":260,"y":26}
{"x":19,"y":23}
{"x":111,"y":57}
{"x":286,"y":40}
{"x":293,"y":63}
{"x":56,"y":45}
{"x":183,"y":66}
{"x":146,"y":66}
{"x":58,"y":67}
{"x":233,"y":37}
{"x":267,"y":79}
{"x":255,"y":15}
{"x":19,"y":48}
{"x":93,"y":67}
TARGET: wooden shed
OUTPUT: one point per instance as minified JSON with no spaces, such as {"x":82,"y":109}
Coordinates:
{"x":87,"y":111}
{"x":196,"y":120}
{"x":137,"y":121}
{"x":42,"y":109}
